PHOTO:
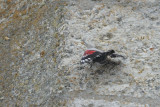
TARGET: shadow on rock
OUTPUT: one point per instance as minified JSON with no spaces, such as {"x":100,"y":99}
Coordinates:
{"x":109,"y":67}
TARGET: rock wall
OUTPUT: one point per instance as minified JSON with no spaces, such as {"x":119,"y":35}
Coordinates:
{"x":129,"y":27}
{"x":28,"y":41}
{"x":43,"y":41}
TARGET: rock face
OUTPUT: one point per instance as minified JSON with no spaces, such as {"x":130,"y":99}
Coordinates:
{"x":42,"y":43}
{"x":28,"y":41}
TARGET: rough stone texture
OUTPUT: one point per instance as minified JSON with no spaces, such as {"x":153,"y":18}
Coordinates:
{"x":43,"y":41}
{"x":129,"y":27}
{"x":28,"y":40}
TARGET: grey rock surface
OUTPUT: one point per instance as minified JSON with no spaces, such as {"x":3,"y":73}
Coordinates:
{"x":130,"y":28}
{"x":28,"y":50}
{"x":43,"y":41}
